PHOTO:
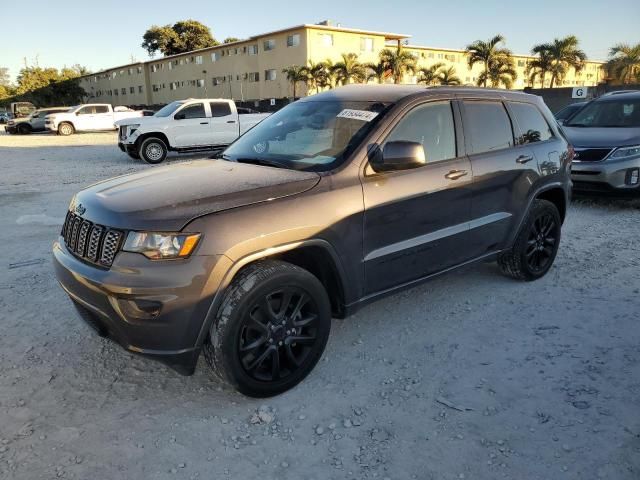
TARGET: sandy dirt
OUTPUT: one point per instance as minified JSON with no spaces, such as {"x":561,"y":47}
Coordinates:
{"x":472,"y":375}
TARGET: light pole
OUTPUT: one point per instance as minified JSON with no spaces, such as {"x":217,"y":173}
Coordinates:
{"x":205,"y":83}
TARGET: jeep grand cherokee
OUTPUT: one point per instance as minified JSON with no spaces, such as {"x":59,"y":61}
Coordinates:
{"x":330,"y":203}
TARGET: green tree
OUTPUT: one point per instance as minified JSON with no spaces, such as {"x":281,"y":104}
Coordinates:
{"x":183,"y":36}
{"x":5,"y":80}
{"x":377,"y":71}
{"x":486,"y":52}
{"x":231,"y":40}
{"x":501,"y":71}
{"x":539,"y":66}
{"x":349,"y":70}
{"x":49,"y":86}
{"x":398,"y":63}
{"x":624,"y":63}
{"x":564,"y":54}
{"x":315,"y":75}
{"x":429,"y":75}
{"x":447,"y":76}
{"x":295,"y":74}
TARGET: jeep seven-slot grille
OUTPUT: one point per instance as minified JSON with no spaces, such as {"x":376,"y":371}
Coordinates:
{"x":91,"y":242}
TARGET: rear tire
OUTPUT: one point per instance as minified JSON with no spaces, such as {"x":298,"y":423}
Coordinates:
{"x":153,"y":150}
{"x":536,"y":245}
{"x":270,"y":330}
{"x":65,"y":129}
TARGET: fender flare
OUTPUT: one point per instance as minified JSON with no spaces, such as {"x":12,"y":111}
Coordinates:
{"x":236,"y":266}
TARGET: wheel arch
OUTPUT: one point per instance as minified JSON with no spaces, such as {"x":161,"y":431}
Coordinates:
{"x":158,"y":135}
{"x":555,"y":195}
{"x":314,"y":255}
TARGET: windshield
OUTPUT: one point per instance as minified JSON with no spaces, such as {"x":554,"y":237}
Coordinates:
{"x":168,"y":109}
{"x":609,"y":113}
{"x":309,"y":135}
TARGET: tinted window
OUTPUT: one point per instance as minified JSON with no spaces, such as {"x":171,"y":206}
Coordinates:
{"x":102,"y":109}
{"x":220,"y":109}
{"x":85,"y":111}
{"x":192,"y":111}
{"x":608,"y":114}
{"x":432,"y":126}
{"x":488,"y":126}
{"x":533,"y":126}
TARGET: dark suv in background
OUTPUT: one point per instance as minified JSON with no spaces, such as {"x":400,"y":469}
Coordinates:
{"x":606,"y":137}
{"x":334,"y":201}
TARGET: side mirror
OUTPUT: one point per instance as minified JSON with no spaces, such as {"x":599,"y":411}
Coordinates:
{"x":398,"y":156}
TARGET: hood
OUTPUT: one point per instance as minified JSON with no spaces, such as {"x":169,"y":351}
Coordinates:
{"x":602,"y":137}
{"x":167,"y":198}
{"x":141,"y":120}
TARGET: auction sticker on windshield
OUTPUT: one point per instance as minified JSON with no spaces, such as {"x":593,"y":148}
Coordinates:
{"x":363,"y":115}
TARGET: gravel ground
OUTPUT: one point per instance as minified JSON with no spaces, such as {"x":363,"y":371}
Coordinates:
{"x":472,"y":375}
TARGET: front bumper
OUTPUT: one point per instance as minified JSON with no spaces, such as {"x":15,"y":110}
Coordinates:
{"x":605,"y":175}
{"x":153,"y":308}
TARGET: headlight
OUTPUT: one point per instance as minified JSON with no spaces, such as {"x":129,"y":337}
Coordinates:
{"x":624,"y":152}
{"x":159,"y":246}
{"x":133,"y":128}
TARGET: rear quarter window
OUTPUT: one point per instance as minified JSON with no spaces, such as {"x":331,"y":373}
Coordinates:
{"x":533,"y":127}
{"x":487,"y":126}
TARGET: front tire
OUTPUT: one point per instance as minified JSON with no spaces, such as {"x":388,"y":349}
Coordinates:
{"x":23,"y":129}
{"x":65,"y":129}
{"x":153,"y":150}
{"x":536,"y":245}
{"x":270,"y":330}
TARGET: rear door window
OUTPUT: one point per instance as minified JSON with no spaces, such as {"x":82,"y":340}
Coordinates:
{"x":220,"y":109}
{"x":432,"y":126}
{"x":533,"y":126}
{"x":487,"y":126}
{"x":102,"y":109}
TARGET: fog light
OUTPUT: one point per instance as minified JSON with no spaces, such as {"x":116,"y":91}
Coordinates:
{"x":136,"y":309}
{"x":634,"y":176}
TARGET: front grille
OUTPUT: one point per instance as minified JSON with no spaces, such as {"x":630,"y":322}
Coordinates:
{"x":591,"y":154}
{"x":95,"y":243}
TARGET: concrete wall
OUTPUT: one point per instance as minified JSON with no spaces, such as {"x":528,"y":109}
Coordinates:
{"x":558,"y":98}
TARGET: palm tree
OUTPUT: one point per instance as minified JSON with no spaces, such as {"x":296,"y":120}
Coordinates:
{"x":501,"y":71}
{"x":398,"y":63}
{"x":564,"y":54}
{"x":486,"y":53}
{"x":624,"y":62}
{"x":377,"y":71}
{"x":429,"y":75}
{"x":539,"y":66}
{"x":448,"y":77}
{"x":349,"y":69}
{"x":295,"y":74}
{"x":315,"y":75}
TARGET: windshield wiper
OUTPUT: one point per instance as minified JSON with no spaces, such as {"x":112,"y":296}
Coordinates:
{"x":256,"y":161}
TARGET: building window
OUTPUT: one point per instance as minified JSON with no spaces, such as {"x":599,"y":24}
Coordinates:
{"x":254,"y":77}
{"x":173,"y":85}
{"x":139,"y":69}
{"x":326,"y":39}
{"x":139,"y":88}
{"x":154,"y":68}
{"x":170,"y":65}
{"x":431,"y":55}
{"x":199,"y":59}
{"x":441,"y":56}
{"x":366,"y":44}
{"x":132,"y":90}
{"x":200,"y":83}
{"x":451,"y":58}
{"x":156,"y":88}
{"x":130,"y":71}
{"x":269,"y":45}
{"x":253,"y":49}
{"x":521,"y":63}
{"x":293,"y":40}
{"x":115,"y":92}
{"x":215,"y":56}
{"x":218,"y":81}
{"x":123,"y":91}
{"x":270,"y":75}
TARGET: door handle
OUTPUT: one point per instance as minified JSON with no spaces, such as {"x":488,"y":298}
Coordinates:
{"x":455,"y":174}
{"x":231,"y":121}
{"x":204,"y":123}
{"x":522,"y":159}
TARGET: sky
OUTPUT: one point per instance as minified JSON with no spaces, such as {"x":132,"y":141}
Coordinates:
{"x":104,"y":34}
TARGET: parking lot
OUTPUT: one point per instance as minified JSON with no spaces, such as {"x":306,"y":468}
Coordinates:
{"x":471,"y":375}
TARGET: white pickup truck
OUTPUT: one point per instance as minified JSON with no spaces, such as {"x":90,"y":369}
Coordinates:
{"x":88,"y":117}
{"x":185,"y":126}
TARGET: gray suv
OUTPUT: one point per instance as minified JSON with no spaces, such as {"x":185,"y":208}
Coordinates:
{"x":606,"y":136}
{"x":332,"y":202}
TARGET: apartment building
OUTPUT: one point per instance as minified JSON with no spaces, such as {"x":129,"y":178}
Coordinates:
{"x":251,"y":69}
